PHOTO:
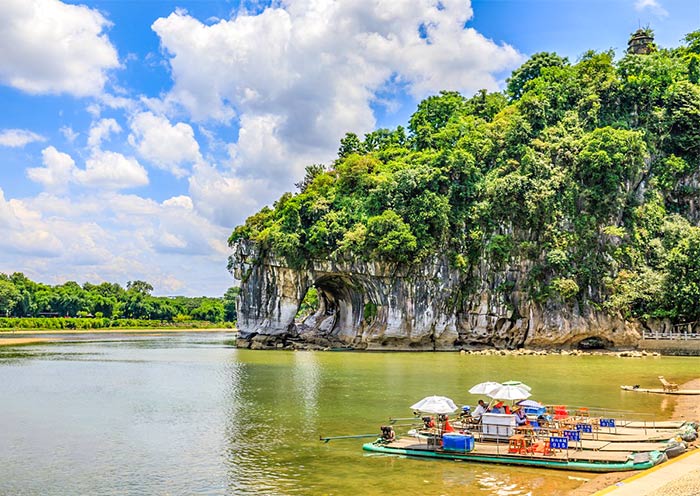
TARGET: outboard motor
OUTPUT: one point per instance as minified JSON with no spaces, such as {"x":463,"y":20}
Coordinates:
{"x":388,"y":433}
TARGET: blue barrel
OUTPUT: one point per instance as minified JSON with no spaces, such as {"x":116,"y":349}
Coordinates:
{"x":457,"y":442}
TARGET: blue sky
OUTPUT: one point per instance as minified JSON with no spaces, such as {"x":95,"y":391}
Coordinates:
{"x":134,"y":135}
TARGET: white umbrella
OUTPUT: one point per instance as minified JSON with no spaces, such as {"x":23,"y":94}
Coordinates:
{"x":484,"y":387}
{"x":509,"y":393}
{"x":530,"y":403}
{"x":517,"y":383}
{"x":435,"y":404}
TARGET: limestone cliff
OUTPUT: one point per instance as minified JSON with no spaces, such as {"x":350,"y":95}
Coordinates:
{"x":561,"y":213}
{"x":377,"y":306}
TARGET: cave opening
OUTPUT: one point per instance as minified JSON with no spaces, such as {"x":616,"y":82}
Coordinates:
{"x":595,"y":343}
{"x":338,"y":308}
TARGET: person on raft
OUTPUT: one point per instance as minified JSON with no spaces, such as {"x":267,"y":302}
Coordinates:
{"x":520,"y":416}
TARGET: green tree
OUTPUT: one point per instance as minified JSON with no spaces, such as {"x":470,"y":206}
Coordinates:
{"x":312,"y":171}
{"x":229,"y":302}
{"x":432,"y":115}
{"x":349,"y":145}
{"x":9,"y":297}
{"x":530,"y":70}
{"x":390,"y":238}
{"x":683,"y":282}
{"x":682,"y":105}
{"x":140,"y":287}
{"x":212,"y":311}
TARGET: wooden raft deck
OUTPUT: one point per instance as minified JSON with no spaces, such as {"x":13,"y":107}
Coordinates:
{"x":629,"y":435}
{"x":587,"y":444}
{"x":657,"y":424}
{"x":492,"y":449}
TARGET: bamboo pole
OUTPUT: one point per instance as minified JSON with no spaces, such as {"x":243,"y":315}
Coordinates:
{"x":356,"y":436}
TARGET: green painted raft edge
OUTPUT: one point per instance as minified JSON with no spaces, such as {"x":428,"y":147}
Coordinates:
{"x":655,"y":457}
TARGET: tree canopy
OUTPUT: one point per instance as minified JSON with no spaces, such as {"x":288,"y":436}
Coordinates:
{"x":22,"y":297}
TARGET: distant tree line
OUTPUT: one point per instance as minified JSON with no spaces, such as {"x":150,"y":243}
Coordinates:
{"x":21,"y":297}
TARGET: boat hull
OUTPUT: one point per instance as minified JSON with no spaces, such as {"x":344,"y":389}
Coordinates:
{"x":679,"y":392}
{"x":653,"y":458}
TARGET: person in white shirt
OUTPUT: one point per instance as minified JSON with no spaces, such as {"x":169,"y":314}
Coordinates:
{"x":479,"y":410}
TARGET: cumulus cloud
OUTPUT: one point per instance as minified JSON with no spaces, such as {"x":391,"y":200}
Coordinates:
{"x":167,"y":146}
{"x":23,"y":233}
{"x":652,"y":5}
{"x":53,"y":47}
{"x":319,"y":71}
{"x":112,"y":170}
{"x":136,"y":238}
{"x":101,"y":131}
{"x":225,"y":199}
{"x":104,"y":170}
{"x":184,"y":202}
{"x":17,"y":138}
{"x":68,"y":133}
{"x":57,"y":172}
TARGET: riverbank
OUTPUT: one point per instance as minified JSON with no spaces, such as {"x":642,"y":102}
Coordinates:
{"x":26,"y":336}
{"x":686,"y":408}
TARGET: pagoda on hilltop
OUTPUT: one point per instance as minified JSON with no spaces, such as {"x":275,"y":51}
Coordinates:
{"x":641,"y":42}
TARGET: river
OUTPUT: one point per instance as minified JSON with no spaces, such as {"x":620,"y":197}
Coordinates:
{"x":184,"y":414}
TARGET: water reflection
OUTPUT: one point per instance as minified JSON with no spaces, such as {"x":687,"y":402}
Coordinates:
{"x":260,"y":423}
{"x":306,"y":373}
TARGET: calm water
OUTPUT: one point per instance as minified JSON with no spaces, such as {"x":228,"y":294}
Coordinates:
{"x":189,"y":414}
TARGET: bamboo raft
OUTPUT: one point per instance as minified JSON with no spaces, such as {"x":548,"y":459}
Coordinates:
{"x":570,"y":459}
{"x":656,"y":424}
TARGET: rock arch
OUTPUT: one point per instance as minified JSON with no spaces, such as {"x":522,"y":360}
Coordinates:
{"x":340,"y":313}
{"x":378,"y":306}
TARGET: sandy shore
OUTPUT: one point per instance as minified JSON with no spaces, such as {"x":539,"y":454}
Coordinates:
{"x":687,"y":408}
{"x":19,"y":341}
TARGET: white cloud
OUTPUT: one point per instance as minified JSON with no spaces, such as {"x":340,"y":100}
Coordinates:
{"x":318,"y":72}
{"x":260,"y":150}
{"x":652,"y":5}
{"x":53,"y":47}
{"x":111,"y":170}
{"x":17,"y":138}
{"x":225,"y":199}
{"x":182,"y":201}
{"x":23,"y":233}
{"x":166,"y":146}
{"x":135,"y":238}
{"x":104,"y":169}
{"x":57,"y":172}
{"x":68,"y":133}
{"x":101,"y":130}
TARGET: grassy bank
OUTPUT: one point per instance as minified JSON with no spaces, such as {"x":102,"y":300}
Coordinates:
{"x":90,"y":324}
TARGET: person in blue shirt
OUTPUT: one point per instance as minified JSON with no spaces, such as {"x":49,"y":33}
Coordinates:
{"x":520,"y":416}
{"x":498,"y":408}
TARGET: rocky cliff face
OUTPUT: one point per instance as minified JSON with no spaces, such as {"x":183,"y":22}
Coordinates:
{"x":378,"y":306}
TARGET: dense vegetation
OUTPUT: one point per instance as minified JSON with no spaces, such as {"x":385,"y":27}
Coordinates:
{"x":26,"y":304}
{"x":587,"y":172}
